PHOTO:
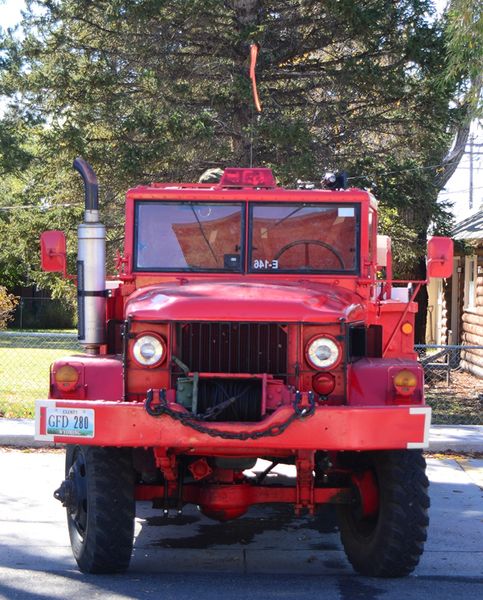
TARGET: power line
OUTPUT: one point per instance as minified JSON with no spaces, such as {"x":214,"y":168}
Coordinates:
{"x":460,"y":191}
{"x":441,"y":165}
{"x":399,"y":171}
{"x":37,"y":207}
{"x":472,"y":142}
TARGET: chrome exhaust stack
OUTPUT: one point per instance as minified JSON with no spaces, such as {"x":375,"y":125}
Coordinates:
{"x":91,"y":266}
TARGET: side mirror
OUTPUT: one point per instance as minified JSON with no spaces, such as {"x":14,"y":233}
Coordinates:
{"x":52,"y":252}
{"x":440,"y":257}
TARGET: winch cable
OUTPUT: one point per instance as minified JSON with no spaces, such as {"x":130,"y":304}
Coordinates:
{"x":214,"y":411}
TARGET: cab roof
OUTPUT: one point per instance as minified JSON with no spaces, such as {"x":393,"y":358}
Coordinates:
{"x":255,"y":184}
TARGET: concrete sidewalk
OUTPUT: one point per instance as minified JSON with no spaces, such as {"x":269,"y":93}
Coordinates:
{"x":266,"y":554}
{"x":442,"y":438}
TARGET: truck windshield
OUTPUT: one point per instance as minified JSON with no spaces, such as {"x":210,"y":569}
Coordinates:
{"x":188,"y":236}
{"x":304,"y":238}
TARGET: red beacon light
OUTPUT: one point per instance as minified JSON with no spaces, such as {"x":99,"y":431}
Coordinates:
{"x":256,"y":178}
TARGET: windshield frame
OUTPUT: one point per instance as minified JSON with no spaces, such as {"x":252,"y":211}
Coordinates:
{"x":299,"y":271}
{"x":138,"y":203}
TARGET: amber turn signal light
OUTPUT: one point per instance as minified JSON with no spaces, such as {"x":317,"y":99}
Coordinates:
{"x":407,"y":328}
{"x":405,"y":382}
{"x":66,"y":378}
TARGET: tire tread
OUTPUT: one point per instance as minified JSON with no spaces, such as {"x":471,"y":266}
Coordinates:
{"x":395,"y":546}
{"x":108,"y":540}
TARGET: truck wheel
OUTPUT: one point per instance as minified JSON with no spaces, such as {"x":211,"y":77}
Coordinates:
{"x":384,"y":537}
{"x":101,"y":508}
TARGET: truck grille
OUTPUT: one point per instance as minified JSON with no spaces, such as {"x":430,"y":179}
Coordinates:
{"x":225,"y":347}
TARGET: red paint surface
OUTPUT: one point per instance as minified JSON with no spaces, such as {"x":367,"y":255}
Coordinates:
{"x":370,"y":381}
{"x":246,"y":301}
{"x":330,"y":428}
{"x":242,"y":494}
{"x":100,"y":377}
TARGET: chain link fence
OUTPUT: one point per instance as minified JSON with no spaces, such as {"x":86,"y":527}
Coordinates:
{"x":25,"y":359}
{"x":455,"y":395}
{"x":42,"y":313}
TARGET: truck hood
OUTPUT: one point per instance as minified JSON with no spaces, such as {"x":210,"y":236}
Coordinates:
{"x":245,"y":301}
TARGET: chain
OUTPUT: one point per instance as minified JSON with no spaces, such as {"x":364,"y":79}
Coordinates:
{"x":162,"y":408}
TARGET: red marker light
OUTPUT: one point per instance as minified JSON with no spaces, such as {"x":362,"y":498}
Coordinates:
{"x":323,"y":383}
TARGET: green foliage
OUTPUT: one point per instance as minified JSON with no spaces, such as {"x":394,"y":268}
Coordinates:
{"x":159,"y":90}
{"x":465,"y":48}
{"x":8,"y":302}
{"x":14,"y":156}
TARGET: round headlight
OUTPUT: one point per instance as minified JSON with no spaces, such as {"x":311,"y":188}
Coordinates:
{"x":323,"y":352}
{"x":148,"y":350}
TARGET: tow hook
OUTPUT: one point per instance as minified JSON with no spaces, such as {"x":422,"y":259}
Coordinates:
{"x":66,"y":494}
{"x":155,"y":402}
{"x":304,"y":404}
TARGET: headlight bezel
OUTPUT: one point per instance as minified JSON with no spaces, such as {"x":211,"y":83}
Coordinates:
{"x":323,"y":364}
{"x":158,"y":342}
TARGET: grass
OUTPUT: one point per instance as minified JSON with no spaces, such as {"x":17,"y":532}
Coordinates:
{"x":24,"y":377}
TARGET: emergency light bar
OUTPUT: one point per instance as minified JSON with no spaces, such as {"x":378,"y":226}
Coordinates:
{"x":256,"y":178}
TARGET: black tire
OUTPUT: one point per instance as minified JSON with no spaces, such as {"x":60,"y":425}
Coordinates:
{"x":389,"y":543}
{"x":101,"y":520}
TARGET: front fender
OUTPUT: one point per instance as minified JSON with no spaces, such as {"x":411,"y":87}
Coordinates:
{"x":100,"y":377}
{"x":370,"y":382}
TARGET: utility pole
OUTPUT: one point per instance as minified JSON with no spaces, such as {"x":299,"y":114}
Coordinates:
{"x":472,"y":139}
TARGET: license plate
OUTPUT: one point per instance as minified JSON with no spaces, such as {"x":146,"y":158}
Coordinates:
{"x":74,"y":422}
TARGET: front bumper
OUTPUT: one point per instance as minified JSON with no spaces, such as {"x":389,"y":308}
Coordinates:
{"x":107,"y":423}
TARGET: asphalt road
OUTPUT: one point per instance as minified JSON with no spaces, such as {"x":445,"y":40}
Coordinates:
{"x":266,"y":554}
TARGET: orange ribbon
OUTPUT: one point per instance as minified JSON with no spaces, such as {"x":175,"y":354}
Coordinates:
{"x":253,"y":63}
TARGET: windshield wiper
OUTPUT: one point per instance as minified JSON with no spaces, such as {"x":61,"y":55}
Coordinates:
{"x":204,"y":235}
{"x":289,"y":215}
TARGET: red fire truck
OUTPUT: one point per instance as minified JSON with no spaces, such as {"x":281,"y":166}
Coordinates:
{"x":246,"y":321}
